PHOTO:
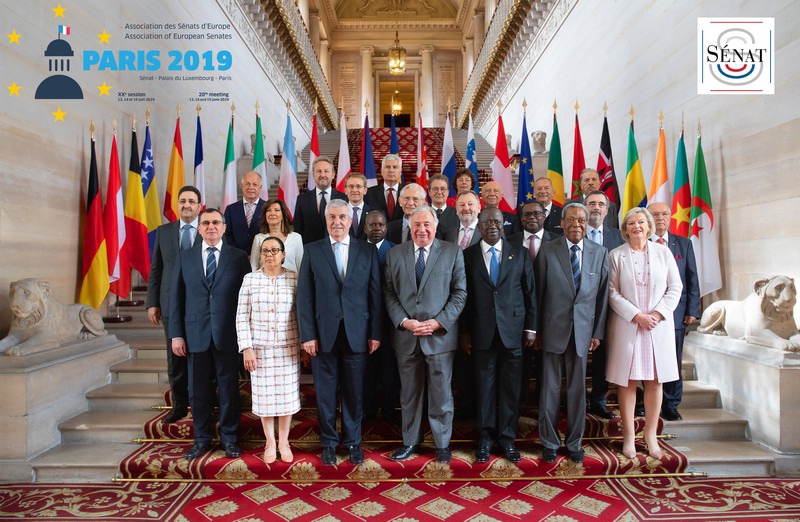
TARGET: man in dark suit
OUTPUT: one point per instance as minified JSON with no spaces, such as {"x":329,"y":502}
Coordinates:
{"x":499,"y":317}
{"x":384,"y":196}
{"x":532,"y":237}
{"x":356,"y":187}
{"x":438,"y":189}
{"x":590,"y":181}
{"x":543,"y":192}
{"x":688,"y":309}
{"x":339,"y":286}
{"x":171,"y":239}
{"x":492,"y":195}
{"x":572,"y":292}
{"x":309,"y":210}
{"x":202,"y":323}
{"x":597,"y":203}
{"x":381,"y":370}
{"x":243,"y":218}
{"x":411,"y":197}
{"x":425,"y":290}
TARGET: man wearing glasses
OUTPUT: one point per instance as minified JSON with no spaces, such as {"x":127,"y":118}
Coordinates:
{"x":438,"y":190}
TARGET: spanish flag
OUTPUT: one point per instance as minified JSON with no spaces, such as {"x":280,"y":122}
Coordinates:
{"x":635,"y":193}
{"x":135,"y":215}
{"x":175,"y":178}
{"x":94,"y":285}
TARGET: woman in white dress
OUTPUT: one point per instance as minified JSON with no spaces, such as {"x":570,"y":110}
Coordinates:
{"x":266,"y":326}
{"x":276,"y":222}
{"x":644,"y":289}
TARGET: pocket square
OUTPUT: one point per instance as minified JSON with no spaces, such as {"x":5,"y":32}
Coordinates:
{"x":678,"y":257}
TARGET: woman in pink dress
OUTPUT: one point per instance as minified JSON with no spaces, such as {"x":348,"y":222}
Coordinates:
{"x":644,"y":289}
{"x":266,"y":325}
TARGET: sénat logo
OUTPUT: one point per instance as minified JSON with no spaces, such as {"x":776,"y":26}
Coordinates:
{"x":735,"y":56}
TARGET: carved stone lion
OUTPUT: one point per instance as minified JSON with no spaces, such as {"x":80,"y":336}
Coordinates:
{"x":763,"y":318}
{"x":41,"y":323}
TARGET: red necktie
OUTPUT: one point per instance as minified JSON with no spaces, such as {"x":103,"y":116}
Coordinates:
{"x":532,"y":248}
{"x":660,"y":241}
{"x":390,"y":203}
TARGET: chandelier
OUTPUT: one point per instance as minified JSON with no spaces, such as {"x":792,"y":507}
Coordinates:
{"x":397,"y":106}
{"x":397,"y":56}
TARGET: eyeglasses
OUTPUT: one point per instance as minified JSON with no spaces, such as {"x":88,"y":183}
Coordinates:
{"x":271,"y":251}
{"x":188,"y":202}
{"x":535,"y":213}
{"x":216,"y":223}
{"x":437,"y":189}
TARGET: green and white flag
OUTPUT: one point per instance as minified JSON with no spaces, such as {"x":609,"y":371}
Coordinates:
{"x":259,"y":165}
{"x":229,"y":189}
{"x":704,"y":228}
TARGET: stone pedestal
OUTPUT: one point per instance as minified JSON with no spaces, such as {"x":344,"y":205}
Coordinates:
{"x":39,"y":391}
{"x":760,"y":384}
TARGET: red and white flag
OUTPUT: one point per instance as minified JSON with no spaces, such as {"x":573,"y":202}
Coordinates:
{"x":313,"y":154}
{"x":501,"y":169}
{"x":114,"y":223}
{"x":422,"y":157}
{"x":344,"y":157}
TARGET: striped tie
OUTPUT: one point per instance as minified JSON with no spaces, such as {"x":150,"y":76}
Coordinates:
{"x":249,"y":210}
{"x":576,"y":267}
{"x":211,"y":265}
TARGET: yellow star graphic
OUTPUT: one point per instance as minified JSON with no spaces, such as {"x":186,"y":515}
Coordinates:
{"x":104,"y":36}
{"x":58,"y":11}
{"x":681,"y":215}
{"x":13,"y":36}
{"x":103,"y":89}
{"x":58,"y":115}
{"x":13,"y":89}
{"x":524,"y":161}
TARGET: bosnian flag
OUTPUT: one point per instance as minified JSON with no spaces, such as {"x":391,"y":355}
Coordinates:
{"x":287,"y":186}
{"x":344,"y":157}
{"x":449,"y":156}
{"x":64,"y":29}
{"x":501,"y":168}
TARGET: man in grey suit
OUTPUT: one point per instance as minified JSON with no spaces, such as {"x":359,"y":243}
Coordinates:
{"x":425,"y":290}
{"x":572,"y":287}
{"x":171,"y":239}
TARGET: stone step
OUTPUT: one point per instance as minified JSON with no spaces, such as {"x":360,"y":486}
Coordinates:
{"x":120,"y":396}
{"x":688,"y":371}
{"x":699,"y":395}
{"x":97,"y":462}
{"x":707,"y":424}
{"x":140,"y":371}
{"x":104,"y":426}
{"x":149,"y":348}
{"x":727,"y":458}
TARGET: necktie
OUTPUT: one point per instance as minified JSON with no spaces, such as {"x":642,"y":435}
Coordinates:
{"x":494,"y":266}
{"x":186,"y":237}
{"x":532,"y":248}
{"x":661,"y":241}
{"x":337,"y":251}
{"x":576,"y":267}
{"x":211,"y":265}
{"x":249,"y":210}
{"x":465,"y":239}
{"x":408,"y":234}
{"x":419,"y":267}
{"x":323,"y":203}
{"x":595,"y":235}
{"x":439,"y":213}
{"x":390,"y":203}
{"x":354,"y":225}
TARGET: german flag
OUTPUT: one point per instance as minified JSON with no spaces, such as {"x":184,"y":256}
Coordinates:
{"x":95,"y":283}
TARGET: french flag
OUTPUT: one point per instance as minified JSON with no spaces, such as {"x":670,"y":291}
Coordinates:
{"x":63,"y":29}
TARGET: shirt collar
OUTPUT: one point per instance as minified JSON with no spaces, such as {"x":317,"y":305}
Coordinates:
{"x":193,"y":223}
{"x":206,"y":246}
{"x":570,"y":243}
{"x":486,"y":246}
{"x":473,"y":225}
{"x":345,"y":241}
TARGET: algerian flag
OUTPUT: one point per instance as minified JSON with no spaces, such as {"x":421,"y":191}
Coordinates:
{"x":704,"y":228}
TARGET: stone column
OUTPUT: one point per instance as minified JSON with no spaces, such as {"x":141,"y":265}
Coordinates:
{"x":367,"y":84}
{"x":426,"y":84}
{"x":479,"y":30}
{"x":302,"y":5}
{"x":489,"y":8}
{"x":325,"y":59}
{"x":313,"y":29}
{"x":469,"y":57}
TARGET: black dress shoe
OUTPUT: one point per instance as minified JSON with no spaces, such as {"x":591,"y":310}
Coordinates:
{"x":638,"y":410}
{"x":329,"y":456}
{"x":195,"y":451}
{"x":232,"y":451}
{"x":511,"y":453}
{"x":403,"y":452}
{"x":549,"y":455}
{"x":576,"y":456}
{"x":356,"y":455}
{"x":601,"y":411}
{"x":670,"y":414}
{"x":443,"y":455}
{"x":483,"y":454}
{"x":175,"y":415}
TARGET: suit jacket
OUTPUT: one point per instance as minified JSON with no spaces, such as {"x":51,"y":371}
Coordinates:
{"x":448,"y":220}
{"x":326,"y":301}
{"x":362,"y":218}
{"x":552,"y":223}
{"x":394,"y":231}
{"x":451,"y":236}
{"x":612,"y":237}
{"x":441,"y":295}
{"x":509,"y":307}
{"x":689,"y":304}
{"x":376,"y":198}
{"x":612,"y":218}
{"x":162,"y":265}
{"x":237,"y":233}
{"x":511,"y":224}
{"x":519,"y":238}
{"x":665,"y":292}
{"x":307,"y":221}
{"x":561,"y":310}
{"x":201,"y":313}
{"x":382,"y":251}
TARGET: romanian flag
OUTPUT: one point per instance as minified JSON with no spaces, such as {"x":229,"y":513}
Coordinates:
{"x":578,"y":160}
{"x":135,"y":215}
{"x":175,"y":178}
{"x":681,"y":194}
{"x":555,"y":173}
{"x":525,"y":175}
{"x":422,"y":157}
{"x":287,"y":185}
{"x":659,"y":188}
{"x":635,"y":193}
{"x":229,"y":190}
{"x":259,"y":163}
{"x":94,"y":284}
{"x":501,"y":168}
{"x":119,"y":270}
{"x":150,"y":189}
{"x":313,"y":153}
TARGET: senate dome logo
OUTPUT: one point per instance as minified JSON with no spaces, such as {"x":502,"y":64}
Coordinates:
{"x":735,"y":56}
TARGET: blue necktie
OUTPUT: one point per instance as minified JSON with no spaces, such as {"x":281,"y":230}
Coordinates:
{"x":596,"y":236}
{"x":494,"y":267}
{"x":211,"y":265}
{"x":419,"y":267}
{"x":186,"y":237}
{"x":337,"y":250}
{"x":576,"y":267}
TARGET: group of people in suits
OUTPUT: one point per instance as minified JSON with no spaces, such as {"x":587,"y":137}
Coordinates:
{"x":416,"y":300}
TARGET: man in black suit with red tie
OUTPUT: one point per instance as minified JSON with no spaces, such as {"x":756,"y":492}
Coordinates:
{"x":309,"y":211}
{"x":385,"y":195}
{"x":498,"y":322}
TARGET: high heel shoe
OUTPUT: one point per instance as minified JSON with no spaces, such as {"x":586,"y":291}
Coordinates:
{"x":270,"y":454}
{"x":629,"y":449}
{"x":656,"y":452}
{"x":286,"y":454}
